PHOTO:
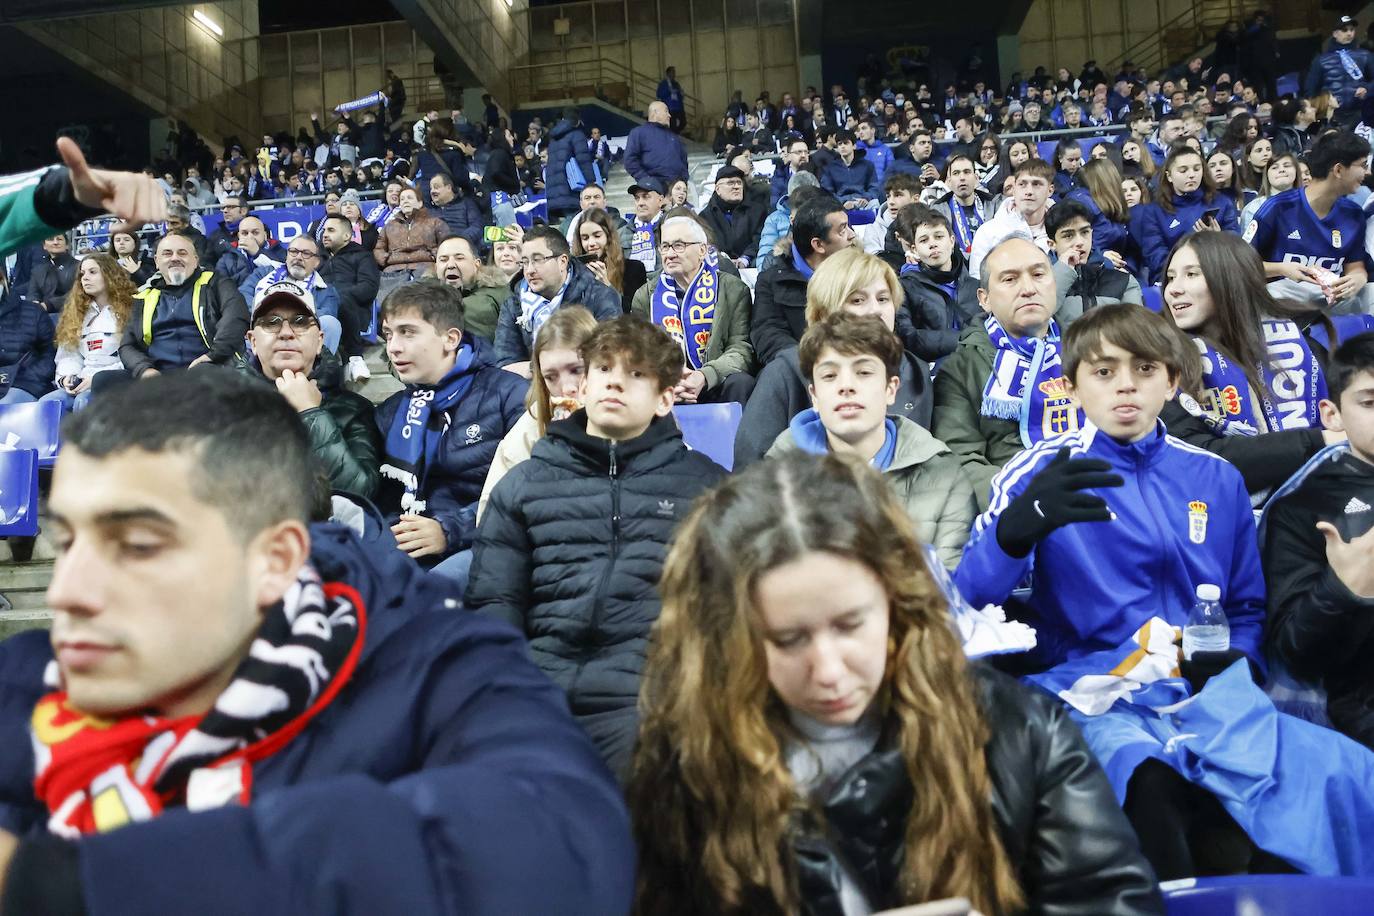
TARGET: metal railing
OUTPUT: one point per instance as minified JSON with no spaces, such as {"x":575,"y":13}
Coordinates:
{"x":1180,"y":37}
{"x":605,"y":79}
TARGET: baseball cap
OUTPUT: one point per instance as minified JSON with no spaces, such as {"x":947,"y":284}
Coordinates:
{"x":284,"y":292}
{"x":1346,"y":22}
{"x":650,"y":184}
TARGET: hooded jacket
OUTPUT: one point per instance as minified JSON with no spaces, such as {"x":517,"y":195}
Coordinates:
{"x":27,"y":352}
{"x":567,"y":141}
{"x":923,"y":473}
{"x":1318,"y":627}
{"x":223,"y":318}
{"x":376,"y":806}
{"x":1182,"y":518}
{"x":473,"y":430}
{"x":482,"y":303}
{"x":938,"y":304}
{"x":781,"y":394}
{"x":515,"y":343}
{"x":410,"y":244}
{"x":857,"y":180}
{"x":1159,"y":229}
{"x":736,"y":227}
{"x":1072,"y":849}
{"x":570,"y":551}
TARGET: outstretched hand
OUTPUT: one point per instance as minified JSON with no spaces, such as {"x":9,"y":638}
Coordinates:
{"x":132,"y":197}
{"x":1056,"y":497}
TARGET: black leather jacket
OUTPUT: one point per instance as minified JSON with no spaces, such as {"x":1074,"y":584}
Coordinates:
{"x":1073,"y":849}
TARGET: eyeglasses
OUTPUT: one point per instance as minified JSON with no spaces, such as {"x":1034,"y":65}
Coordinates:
{"x":272,"y":323}
{"x":536,"y":261}
{"x":676,"y":247}
{"x":301,"y":253}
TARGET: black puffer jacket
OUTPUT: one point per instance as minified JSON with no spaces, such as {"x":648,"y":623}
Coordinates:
{"x":569,"y":552}
{"x":1072,"y":848}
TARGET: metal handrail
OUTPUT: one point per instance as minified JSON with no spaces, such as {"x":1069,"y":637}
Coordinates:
{"x":1199,"y":18}
{"x":527,"y":79}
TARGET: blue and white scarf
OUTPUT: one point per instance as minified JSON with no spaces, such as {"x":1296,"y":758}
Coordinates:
{"x":642,"y":246}
{"x":964,"y":226}
{"x":379,"y":214}
{"x":535,"y":309}
{"x":1027,"y":385}
{"x":1294,"y":385}
{"x":412,"y":443}
{"x":1352,"y":69}
{"x":690,"y":328}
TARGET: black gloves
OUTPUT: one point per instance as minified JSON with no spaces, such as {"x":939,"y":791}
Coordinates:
{"x":1203,"y":666}
{"x":1053,"y":499}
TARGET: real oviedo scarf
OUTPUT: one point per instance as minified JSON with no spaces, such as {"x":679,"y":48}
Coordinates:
{"x":535,"y":309}
{"x":1027,"y":385}
{"x":412,"y":442}
{"x":688,"y":320}
{"x":1293,"y":382}
{"x":96,"y":775}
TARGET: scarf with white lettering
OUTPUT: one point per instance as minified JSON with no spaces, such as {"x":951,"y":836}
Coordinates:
{"x":1027,"y":384}
{"x":96,"y":775}
{"x":412,"y":443}
{"x":689,"y":320}
{"x":1293,"y":383}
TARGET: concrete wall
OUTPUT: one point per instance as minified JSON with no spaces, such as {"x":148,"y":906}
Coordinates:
{"x":171,"y":63}
{"x":717,"y":46}
{"x":477,"y":40}
{"x":1066,"y":33}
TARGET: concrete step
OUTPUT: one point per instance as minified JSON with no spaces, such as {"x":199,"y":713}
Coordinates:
{"x":12,"y":622}
{"x":24,"y":586}
{"x":383,"y":384}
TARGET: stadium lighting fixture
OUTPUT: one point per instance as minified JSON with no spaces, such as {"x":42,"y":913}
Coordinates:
{"x":209,"y":23}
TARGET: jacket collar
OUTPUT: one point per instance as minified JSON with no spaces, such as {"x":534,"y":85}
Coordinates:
{"x":157,"y":282}
{"x":1126,"y":455}
{"x":597,"y":451}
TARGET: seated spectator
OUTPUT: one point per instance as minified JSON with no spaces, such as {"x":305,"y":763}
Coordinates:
{"x":593,"y":197}
{"x":851,"y":366}
{"x":920,"y":159}
{"x":302,"y":265}
{"x":1327,"y":262}
{"x":934,"y":281}
{"x":757,"y":137}
{"x":184,"y":317}
{"x":331,"y":208}
{"x":706,"y":311}
{"x":849,"y":281}
{"x":729,"y":137}
{"x":232,"y":211}
{"x":819,"y":229}
{"x":1022,"y":212}
{"x":1100,"y":190}
{"x":598,"y":247}
{"x":875,"y":150}
{"x":27,"y":355}
{"x":1281,"y":174}
{"x":1083,"y":279}
{"x":556,"y":373}
{"x":899,"y":190}
{"x":552,"y":277}
{"x":734,"y":221}
{"x":1068,"y":159}
{"x":180,"y":219}
{"x":505,"y":253}
{"x":775,"y":241}
{"x":963,"y":201}
{"x":483,"y":288}
{"x":1317,"y":556}
{"x":850,"y":177}
{"x":442,"y":430}
{"x":127,"y":250}
{"x":383,"y":210}
{"x":403,"y":721}
{"x":650,"y":196}
{"x":286,"y":347}
{"x":90,"y":328}
{"x":351,"y":272}
{"x":255,"y":249}
{"x":54,"y":275}
{"x":988,"y":407}
{"x":408,"y":243}
{"x":796,"y":158}
{"x":461,"y":215}
{"x":797,"y":599}
{"x":571,"y":545}
{"x":1186,"y":203}
{"x":360,"y":230}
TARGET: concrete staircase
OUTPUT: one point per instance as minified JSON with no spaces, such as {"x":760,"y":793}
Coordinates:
{"x":700,"y":161}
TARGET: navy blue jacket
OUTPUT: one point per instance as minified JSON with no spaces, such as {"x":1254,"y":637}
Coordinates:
{"x":1159,"y":229}
{"x":237,"y":265}
{"x":850,"y":182}
{"x":515,"y":344}
{"x":1327,"y":72}
{"x":654,"y":151}
{"x":26,"y":333}
{"x":566,"y":141}
{"x":476,"y":426}
{"x":1107,"y":235}
{"x":446,"y":777}
{"x":463,"y":217}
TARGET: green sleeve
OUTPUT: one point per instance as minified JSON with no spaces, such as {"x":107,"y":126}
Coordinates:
{"x":19,"y":222}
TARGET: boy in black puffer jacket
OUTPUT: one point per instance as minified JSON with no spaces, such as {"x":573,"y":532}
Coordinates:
{"x":572,"y":543}
{"x":934,"y":278}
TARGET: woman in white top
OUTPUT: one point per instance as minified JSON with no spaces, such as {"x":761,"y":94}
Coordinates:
{"x":89,"y":329}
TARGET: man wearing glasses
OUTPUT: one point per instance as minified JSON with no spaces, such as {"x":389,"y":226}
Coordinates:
{"x":550,"y":277}
{"x":285,"y":347}
{"x":705,"y":310}
{"x":302,"y":267}
{"x":227,"y":232}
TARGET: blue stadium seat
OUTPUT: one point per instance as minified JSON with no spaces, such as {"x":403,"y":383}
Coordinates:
{"x":1153,"y":298}
{"x":1287,"y":84}
{"x":710,"y":429}
{"x":1272,"y":895}
{"x":18,"y":492}
{"x":373,"y":332}
{"x":36,"y":425}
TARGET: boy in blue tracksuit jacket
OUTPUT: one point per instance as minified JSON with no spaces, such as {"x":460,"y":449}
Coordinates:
{"x":1117,"y":522}
{"x":851,"y":177}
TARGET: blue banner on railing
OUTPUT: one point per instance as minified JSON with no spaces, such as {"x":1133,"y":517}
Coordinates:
{"x":283,"y":223}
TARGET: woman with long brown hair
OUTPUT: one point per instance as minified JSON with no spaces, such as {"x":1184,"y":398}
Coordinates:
{"x":90,"y":327}
{"x":597,"y":244}
{"x":813,"y":739}
{"x":1187,"y":202}
{"x":1100,"y":191}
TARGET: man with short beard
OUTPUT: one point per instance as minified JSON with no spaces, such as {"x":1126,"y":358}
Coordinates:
{"x":484,"y":287}
{"x":185,"y":317}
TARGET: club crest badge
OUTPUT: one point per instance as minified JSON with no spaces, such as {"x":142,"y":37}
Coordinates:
{"x":1335,"y":238}
{"x":1197,"y":521}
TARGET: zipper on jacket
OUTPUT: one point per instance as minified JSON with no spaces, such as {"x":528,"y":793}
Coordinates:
{"x":595,"y":623}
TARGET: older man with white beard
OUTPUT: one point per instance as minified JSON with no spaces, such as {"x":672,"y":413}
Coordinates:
{"x":186,"y":316}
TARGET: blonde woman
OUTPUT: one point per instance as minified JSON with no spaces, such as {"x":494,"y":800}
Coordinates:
{"x":850,"y":281}
{"x":556,"y":371}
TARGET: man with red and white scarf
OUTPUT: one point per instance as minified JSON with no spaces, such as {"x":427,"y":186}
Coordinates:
{"x":239,"y":711}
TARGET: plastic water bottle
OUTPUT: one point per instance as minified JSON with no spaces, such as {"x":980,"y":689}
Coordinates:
{"x":1208,"y":629}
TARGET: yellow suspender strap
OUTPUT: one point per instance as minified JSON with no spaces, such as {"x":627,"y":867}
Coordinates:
{"x":150,"y":299}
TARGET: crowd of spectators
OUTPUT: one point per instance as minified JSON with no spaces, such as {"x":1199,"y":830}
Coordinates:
{"x":1006,"y":416}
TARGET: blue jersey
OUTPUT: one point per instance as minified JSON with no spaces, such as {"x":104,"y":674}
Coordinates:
{"x":1285,"y":230}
